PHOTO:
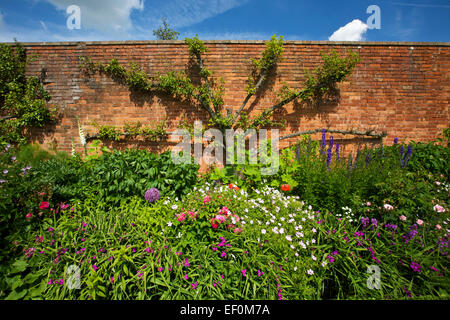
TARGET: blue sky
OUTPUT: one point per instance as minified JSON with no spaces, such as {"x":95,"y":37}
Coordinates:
{"x":402,"y":20}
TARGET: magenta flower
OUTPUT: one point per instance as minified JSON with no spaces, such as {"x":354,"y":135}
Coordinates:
{"x":186,"y":276}
{"x":243,"y":272}
{"x":260,"y":273}
{"x":112,"y":279}
{"x":94,"y":267}
{"x":415,"y":266}
{"x":44,"y":205}
{"x":160,"y":269}
{"x":140,"y":275}
{"x":186,"y":262}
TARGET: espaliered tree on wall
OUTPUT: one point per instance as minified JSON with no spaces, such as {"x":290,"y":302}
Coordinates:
{"x":209,"y":92}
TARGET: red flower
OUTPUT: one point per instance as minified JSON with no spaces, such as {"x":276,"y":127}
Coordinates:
{"x":214,"y":223}
{"x":44,"y":205}
{"x":285,"y":187}
{"x":230,"y":186}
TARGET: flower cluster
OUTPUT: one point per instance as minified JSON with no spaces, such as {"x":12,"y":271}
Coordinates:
{"x":152,"y":195}
{"x":226,"y":217}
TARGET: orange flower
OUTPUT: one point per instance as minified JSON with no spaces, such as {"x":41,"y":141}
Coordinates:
{"x":285,"y":187}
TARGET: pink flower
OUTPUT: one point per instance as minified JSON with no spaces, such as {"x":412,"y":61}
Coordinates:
{"x":260,"y":273}
{"x":368,"y":204}
{"x":438,"y":226}
{"x":181,"y":217}
{"x":44,"y":205}
{"x":94,"y":267}
{"x":29,"y":215}
{"x":186,"y":276}
{"x":221,"y":218}
{"x":243,"y":272}
{"x":112,"y":279}
{"x":419,"y":222}
{"x":388,"y":207}
{"x":160,"y":269}
{"x":63,"y":206}
{"x":206,"y":199}
{"x":403,"y":218}
{"x":237,"y":230}
{"x":438,"y":208}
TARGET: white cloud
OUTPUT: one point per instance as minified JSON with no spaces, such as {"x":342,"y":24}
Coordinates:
{"x":108,"y":16}
{"x":44,"y":26}
{"x":182,"y":13}
{"x":352,"y":31}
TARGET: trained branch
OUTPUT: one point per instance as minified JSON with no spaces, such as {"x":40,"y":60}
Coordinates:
{"x":261,"y":79}
{"x":368,"y":133}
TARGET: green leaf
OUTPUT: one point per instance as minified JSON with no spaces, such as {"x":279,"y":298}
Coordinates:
{"x":19,"y":266}
{"x":16,"y":295}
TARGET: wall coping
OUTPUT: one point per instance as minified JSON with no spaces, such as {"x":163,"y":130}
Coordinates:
{"x":287,"y":42}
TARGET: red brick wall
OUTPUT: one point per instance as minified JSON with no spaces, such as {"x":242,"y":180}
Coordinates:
{"x":400,"y":88}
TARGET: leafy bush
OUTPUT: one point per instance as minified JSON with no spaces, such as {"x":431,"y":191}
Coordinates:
{"x":130,"y":173}
{"x":23,"y":100}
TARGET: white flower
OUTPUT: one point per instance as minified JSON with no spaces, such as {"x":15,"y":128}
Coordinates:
{"x":295,"y":268}
{"x":310,"y":272}
{"x":324,"y":264}
{"x":179,"y":235}
{"x":288,"y":238}
{"x":251,"y":221}
{"x":313,"y":241}
{"x":314,"y":258}
{"x":314,"y":230}
{"x":292,"y":247}
{"x":275,"y":230}
{"x":296,"y":254}
{"x":174,"y":207}
{"x":303,"y":219}
{"x":263,"y":231}
{"x":282,"y":219}
{"x":267,"y":223}
{"x":169,"y":224}
{"x":281,"y":230}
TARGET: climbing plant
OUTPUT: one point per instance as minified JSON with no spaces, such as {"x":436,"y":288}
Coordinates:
{"x":208,"y":93}
{"x":23,"y":100}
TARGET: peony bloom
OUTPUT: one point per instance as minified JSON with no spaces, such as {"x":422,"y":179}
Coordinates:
{"x":152,"y":195}
{"x":388,"y":207}
{"x":419,"y":222}
{"x":403,"y":218}
{"x":438,"y":208}
{"x":44,"y":205}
